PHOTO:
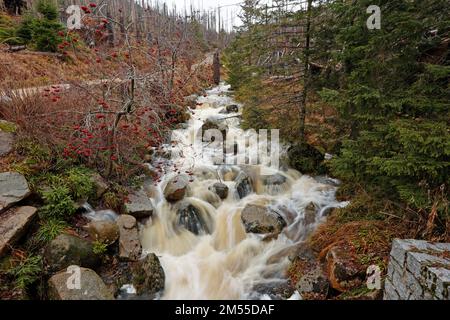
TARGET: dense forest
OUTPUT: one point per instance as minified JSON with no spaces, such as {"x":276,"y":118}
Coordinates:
{"x":91,"y":176}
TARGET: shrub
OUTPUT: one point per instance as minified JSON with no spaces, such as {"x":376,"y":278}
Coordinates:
{"x":80,"y":183}
{"x":59,"y":203}
{"x":99,"y":247}
{"x":49,"y":230}
{"x":27,"y":272}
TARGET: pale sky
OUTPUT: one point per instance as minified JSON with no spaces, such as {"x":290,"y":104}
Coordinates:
{"x":229,"y":8}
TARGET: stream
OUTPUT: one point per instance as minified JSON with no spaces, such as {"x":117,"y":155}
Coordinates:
{"x":212,"y":257}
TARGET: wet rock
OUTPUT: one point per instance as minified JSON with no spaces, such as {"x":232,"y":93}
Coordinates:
{"x":129,"y":244}
{"x":13,"y":226}
{"x":6,"y":143}
{"x":104,"y":231}
{"x":191,"y":100}
{"x":274,"y":180}
{"x":244,"y":185}
{"x":310,"y":214}
{"x":229,"y":173}
{"x":280,"y":290}
{"x":101,"y":185}
{"x":220,"y":189}
{"x":313,"y":283}
{"x":344,"y":272}
{"x":148,"y":276}
{"x":204,"y":173}
{"x":66,"y":250}
{"x":13,"y":188}
{"x":233,"y":108}
{"x":190,"y":218}
{"x":215,"y":123}
{"x":260,"y":219}
{"x":175,"y":189}
{"x":139,"y":205}
{"x":91,"y":286}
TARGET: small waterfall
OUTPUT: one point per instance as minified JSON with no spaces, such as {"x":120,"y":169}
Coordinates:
{"x":201,"y":240}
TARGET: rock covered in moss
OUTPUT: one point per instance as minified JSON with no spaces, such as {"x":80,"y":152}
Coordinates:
{"x":66,"y":250}
{"x":148,"y":276}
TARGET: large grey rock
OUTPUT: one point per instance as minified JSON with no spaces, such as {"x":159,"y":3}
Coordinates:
{"x":148,"y":276}
{"x":62,"y":286}
{"x":314,"y":282}
{"x":418,"y":270}
{"x":220,"y":189}
{"x":13,"y":188}
{"x":139,"y":205}
{"x":66,"y":250}
{"x":103,"y":231}
{"x":13,"y":225}
{"x":175,"y":189}
{"x":263,"y":220}
{"x":129,"y":244}
{"x":274,"y":180}
{"x":6,"y":143}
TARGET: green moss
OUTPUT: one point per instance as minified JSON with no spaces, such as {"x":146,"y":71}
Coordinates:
{"x":6,"y":126}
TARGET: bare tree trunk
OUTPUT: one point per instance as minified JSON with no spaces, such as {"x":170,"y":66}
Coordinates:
{"x":306,"y":57}
{"x":216,"y":67}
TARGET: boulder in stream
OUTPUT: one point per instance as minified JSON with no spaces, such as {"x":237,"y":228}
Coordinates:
{"x":262,"y":220}
{"x":91,"y":286}
{"x":148,"y":276}
{"x":190,"y":217}
{"x":310,"y":214}
{"x":13,"y":188}
{"x":244,"y":185}
{"x":215,"y":124}
{"x":175,"y":189}
{"x":66,"y":250}
{"x":220,"y":189}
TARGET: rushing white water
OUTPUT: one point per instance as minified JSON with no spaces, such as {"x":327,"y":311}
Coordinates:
{"x":226,"y":263}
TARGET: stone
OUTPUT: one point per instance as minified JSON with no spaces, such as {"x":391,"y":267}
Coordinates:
{"x":13,"y":226}
{"x":104,"y":231}
{"x":175,"y":189}
{"x":92,"y":286}
{"x":310,"y":214}
{"x":6,"y":143}
{"x":233,"y":108}
{"x":190,"y":218}
{"x":277,"y":290}
{"x":215,"y":124}
{"x":139,"y":205}
{"x":343,"y":271}
{"x":220,"y":189}
{"x":129,"y":244}
{"x":148,"y":276}
{"x":101,"y":185}
{"x":13,"y":188}
{"x":262,"y":220}
{"x":244,"y":185}
{"x":418,"y":270}
{"x":313,"y":282}
{"x":66,"y":250}
{"x":274,"y":180}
